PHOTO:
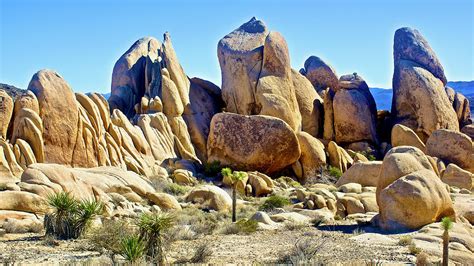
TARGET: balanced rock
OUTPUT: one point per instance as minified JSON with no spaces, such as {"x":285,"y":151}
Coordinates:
{"x":355,"y":111}
{"x":260,"y":143}
{"x":240,"y":56}
{"x":419,"y":99}
{"x":321,"y":74}
{"x":132,"y":74}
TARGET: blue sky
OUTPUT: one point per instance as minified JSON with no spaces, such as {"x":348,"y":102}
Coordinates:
{"x":83,"y":39}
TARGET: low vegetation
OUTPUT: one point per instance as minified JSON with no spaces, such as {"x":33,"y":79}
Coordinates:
{"x":273,"y":202}
{"x":132,"y":249}
{"x":152,"y":229}
{"x":70,"y":217}
{"x":212,"y":169}
{"x":335,"y":172}
{"x":405,"y":240}
{"x":243,"y":226}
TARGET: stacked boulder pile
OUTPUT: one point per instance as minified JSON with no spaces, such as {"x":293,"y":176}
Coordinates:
{"x":267,"y":119}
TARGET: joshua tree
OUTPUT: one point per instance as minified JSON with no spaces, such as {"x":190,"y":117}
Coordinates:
{"x":235,"y":177}
{"x":446,"y":224}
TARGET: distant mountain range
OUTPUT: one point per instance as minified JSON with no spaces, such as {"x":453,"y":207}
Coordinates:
{"x":383,"y":97}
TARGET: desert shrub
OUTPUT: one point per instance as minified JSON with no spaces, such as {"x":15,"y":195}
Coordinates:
{"x":199,"y":222}
{"x":405,"y":240}
{"x":293,"y":225}
{"x":212,"y":168}
{"x":243,"y":226}
{"x":335,"y":172}
{"x":175,"y":189}
{"x":422,"y":259}
{"x":152,"y":228}
{"x":132,"y":248}
{"x":110,"y":235}
{"x":202,"y":253}
{"x":304,"y":252}
{"x":414,"y":250}
{"x":273,"y":202}
{"x":70,"y":217}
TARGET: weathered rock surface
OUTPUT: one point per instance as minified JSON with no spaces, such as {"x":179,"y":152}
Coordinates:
{"x":6,"y":111}
{"x":452,"y":147}
{"x":419,"y":99}
{"x":364,"y":173}
{"x":410,"y":45}
{"x":405,"y":136}
{"x":261,"y":143}
{"x":338,"y":157}
{"x":321,"y":74}
{"x":355,"y":111}
{"x":313,"y":155}
{"x":132,"y":74}
{"x":456,"y":176}
{"x":240,"y":56}
{"x":409,"y":194}
{"x":211,"y":197}
{"x":311,"y":105}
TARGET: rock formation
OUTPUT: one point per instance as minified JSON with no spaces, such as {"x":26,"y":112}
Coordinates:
{"x":419,"y":99}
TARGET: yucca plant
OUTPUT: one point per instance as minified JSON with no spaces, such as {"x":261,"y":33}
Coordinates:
{"x":86,"y":211}
{"x":152,"y":228}
{"x":446,"y":224}
{"x":235,"y":177}
{"x":69,"y":217}
{"x":58,"y":222}
{"x":132,"y":248}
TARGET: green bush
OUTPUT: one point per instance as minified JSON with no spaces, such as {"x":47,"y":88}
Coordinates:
{"x":70,"y":217}
{"x":405,"y":240}
{"x":175,"y":189}
{"x":273,"y":202}
{"x":335,"y":172}
{"x":132,"y":248}
{"x":110,"y":235}
{"x":212,"y":168}
{"x":152,"y":228}
{"x":243,"y":226}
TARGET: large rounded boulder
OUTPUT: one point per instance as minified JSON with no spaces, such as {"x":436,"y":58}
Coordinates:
{"x":409,"y":193}
{"x":252,"y":143}
{"x":452,"y":147}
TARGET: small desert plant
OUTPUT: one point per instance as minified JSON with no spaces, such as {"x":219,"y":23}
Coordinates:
{"x":152,"y":228}
{"x":422,"y":259}
{"x":273,"y":202}
{"x":110,"y":235}
{"x":243,"y":226}
{"x":175,"y":189}
{"x":212,"y":168}
{"x":405,"y":240}
{"x":414,"y":250}
{"x":235,"y":177}
{"x":304,"y":252}
{"x":335,"y":172}
{"x":293,"y":226}
{"x":446,"y":225}
{"x":358,"y":231}
{"x":70,"y":217}
{"x":132,"y":248}
{"x":202,"y":253}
